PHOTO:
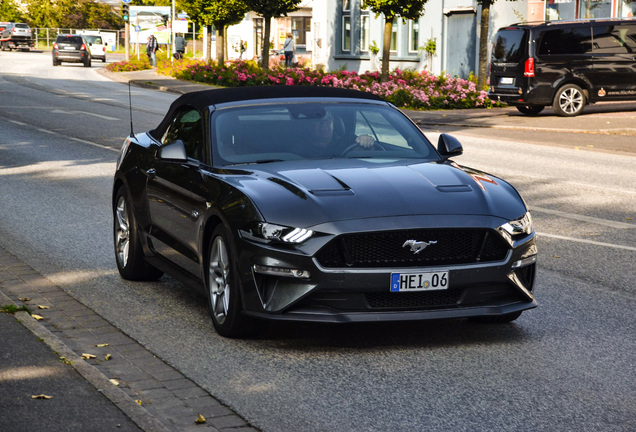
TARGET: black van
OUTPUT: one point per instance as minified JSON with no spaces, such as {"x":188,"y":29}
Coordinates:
{"x":565,"y":64}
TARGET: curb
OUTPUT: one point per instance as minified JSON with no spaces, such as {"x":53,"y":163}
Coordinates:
{"x":137,"y":413}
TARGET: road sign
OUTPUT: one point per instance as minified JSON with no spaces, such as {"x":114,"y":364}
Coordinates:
{"x":126,"y":1}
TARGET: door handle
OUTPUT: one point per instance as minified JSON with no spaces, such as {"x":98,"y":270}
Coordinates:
{"x":152,"y":173}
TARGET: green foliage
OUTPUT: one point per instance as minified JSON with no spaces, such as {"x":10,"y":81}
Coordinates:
{"x":407,"y":9}
{"x":273,"y":8}
{"x":374,"y":48}
{"x":431,"y":47}
{"x":9,"y":11}
{"x":11,"y":309}
{"x":219,"y":13}
{"x":70,"y":14}
{"x":129,"y":66}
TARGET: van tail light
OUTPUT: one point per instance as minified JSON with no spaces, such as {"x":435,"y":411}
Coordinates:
{"x":528,"y":69}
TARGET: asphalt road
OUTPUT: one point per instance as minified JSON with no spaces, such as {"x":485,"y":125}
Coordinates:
{"x":567,"y":365}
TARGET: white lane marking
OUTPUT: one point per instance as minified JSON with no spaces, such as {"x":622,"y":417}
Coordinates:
{"x":589,"y":242}
{"x":84,"y":112}
{"x":19,"y":123}
{"x":590,"y":219}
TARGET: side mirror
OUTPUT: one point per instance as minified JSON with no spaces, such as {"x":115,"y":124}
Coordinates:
{"x":448,"y":146}
{"x":174,"y":152}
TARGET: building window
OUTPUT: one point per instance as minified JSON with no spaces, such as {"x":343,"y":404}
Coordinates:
{"x":346,"y":5}
{"x":394,"y":35}
{"x":364,"y":33}
{"x":595,"y":9}
{"x":300,"y":27}
{"x":414,"y":36}
{"x":346,"y":33}
{"x":627,"y":9}
{"x":559,"y":10}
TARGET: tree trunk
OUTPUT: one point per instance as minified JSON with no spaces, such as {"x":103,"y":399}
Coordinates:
{"x":386,"y":49}
{"x":208,"y":42}
{"x":483,"y":45}
{"x":265,"y":50}
{"x":220,"y":43}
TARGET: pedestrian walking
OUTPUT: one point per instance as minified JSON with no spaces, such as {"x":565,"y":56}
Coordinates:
{"x":151,"y":50}
{"x":289,"y":48}
{"x":179,"y":46}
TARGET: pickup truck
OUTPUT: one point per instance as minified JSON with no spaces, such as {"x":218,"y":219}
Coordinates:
{"x":16,"y":36}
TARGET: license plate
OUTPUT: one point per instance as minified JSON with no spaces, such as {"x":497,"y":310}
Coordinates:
{"x":506,"y":81}
{"x":410,"y":282}
{"x":69,"y":48}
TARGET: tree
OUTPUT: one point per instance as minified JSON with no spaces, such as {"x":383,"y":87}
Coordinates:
{"x":484,"y":29}
{"x":391,"y":9}
{"x":269,"y":9}
{"x":218,"y":13}
{"x":10,"y":12}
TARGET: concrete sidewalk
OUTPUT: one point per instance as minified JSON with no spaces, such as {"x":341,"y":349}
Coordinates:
{"x":117,"y":385}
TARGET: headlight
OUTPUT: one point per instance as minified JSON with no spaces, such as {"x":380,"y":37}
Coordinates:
{"x":519,"y":226}
{"x":266,"y":232}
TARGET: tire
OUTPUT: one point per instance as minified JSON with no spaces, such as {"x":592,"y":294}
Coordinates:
{"x":530,"y":110}
{"x":569,"y":101}
{"x":497,"y":319}
{"x":87,"y":63}
{"x":223,"y":287}
{"x":128,"y":250}
{"x":56,"y":63}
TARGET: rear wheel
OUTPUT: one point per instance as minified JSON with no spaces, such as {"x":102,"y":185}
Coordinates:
{"x":87,"y":63}
{"x":224,"y":294}
{"x":569,"y":100}
{"x":56,"y":63}
{"x":128,"y":250}
{"x":530,"y":110}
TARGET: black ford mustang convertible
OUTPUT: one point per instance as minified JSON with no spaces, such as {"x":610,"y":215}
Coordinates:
{"x":318,"y":204}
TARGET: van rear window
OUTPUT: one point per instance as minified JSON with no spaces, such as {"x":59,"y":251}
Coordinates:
{"x":508,"y":45}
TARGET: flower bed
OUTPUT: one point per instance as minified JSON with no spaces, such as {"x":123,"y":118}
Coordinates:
{"x":405,"y":88}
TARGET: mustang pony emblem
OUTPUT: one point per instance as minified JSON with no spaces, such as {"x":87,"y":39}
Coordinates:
{"x":417,"y":246}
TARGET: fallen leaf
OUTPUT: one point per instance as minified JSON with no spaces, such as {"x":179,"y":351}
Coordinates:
{"x":41,"y":396}
{"x":114,"y":381}
{"x":138,"y":401}
{"x":628,"y":218}
{"x":591,"y":235}
{"x":88,"y":356}
{"x":101,"y":345}
{"x":37,"y":317}
{"x":24,"y":299}
{"x":43,"y":307}
{"x":200,"y":419}
{"x":108,"y":357}
{"x":556,"y":256}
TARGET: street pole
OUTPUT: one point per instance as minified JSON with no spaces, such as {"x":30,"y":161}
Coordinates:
{"x":127,"y":39}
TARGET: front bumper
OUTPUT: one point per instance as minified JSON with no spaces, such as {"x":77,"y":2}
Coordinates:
{"x":358,"y":295}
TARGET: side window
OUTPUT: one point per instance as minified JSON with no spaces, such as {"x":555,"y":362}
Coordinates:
{"x":566,"y":41}
{"x":615,"y":39}
{"x":375,"y":124}
{"x":187,"y":126}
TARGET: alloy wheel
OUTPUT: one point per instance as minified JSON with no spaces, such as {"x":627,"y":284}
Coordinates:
{"x":122,"y":232}
{"x":571,"y":100}
{"x":219,"y":280}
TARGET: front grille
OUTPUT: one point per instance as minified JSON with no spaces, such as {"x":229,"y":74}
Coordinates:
{"x":385,"y":249}
{"x":415,"y":300}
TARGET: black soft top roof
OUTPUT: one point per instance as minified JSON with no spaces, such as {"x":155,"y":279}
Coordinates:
{"x":205,"y":98}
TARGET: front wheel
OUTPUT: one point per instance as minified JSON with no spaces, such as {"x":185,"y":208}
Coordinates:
{"x":530,"y":110}
{"x":224,"y":294}
{"x":128,"y":250}
{"x":569,"y":101}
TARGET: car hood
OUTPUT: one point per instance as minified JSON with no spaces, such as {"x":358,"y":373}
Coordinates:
{"x":304,"y":195}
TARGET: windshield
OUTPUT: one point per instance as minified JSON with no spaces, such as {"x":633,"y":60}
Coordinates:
{"x":508,"y":45}
{"x":93,"y":39}
{"x":296,"y":131}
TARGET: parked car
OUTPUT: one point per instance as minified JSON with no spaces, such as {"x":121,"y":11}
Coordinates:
{"x":71,"y":48}
{"x":318,"y":204}
{"x":16,"y":36}
{"x":97,"y":47}
{"x":565,"y":65}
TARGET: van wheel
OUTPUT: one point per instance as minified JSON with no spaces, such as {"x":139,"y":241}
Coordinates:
{"x":530,"y":110}
{"x":569,"y":101}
